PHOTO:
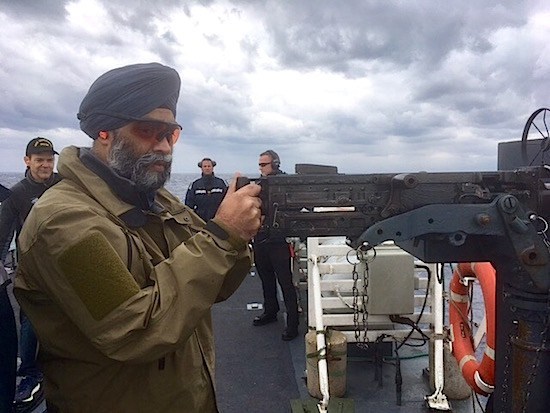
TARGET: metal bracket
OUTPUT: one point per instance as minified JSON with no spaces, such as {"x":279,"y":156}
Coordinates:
{"x":438,"y":401}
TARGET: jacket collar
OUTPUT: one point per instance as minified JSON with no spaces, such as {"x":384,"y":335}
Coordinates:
{"x":122,"y":187}
{"x":49,"y":182}
{"x":108,"y":188}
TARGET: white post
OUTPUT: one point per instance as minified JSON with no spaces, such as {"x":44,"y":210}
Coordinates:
{"x":320,"y":333}
{"x":438,"y":400}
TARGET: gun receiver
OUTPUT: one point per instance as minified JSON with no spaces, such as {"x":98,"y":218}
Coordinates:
{"x":499,"y":217}
{"x":304,"y":205}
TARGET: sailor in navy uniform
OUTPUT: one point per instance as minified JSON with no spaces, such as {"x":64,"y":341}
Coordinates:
{"x":205,"y":195}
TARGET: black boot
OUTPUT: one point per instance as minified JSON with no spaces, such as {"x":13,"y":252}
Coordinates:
{"x":264,"y":319}
{"x":291,"y":330}
{"x":290,"y":334}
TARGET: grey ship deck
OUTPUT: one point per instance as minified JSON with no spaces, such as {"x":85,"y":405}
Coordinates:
{"x":257,"y":372}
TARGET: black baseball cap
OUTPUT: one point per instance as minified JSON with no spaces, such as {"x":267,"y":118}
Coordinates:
{"x":40,"y":145}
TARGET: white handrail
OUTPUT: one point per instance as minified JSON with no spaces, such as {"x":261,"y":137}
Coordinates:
{"x":320,"y":334}
{"x":438,"y":400}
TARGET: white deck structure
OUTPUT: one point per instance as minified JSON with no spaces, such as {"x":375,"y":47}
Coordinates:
{"x":392,"y":282}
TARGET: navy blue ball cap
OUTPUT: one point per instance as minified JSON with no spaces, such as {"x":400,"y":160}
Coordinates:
{"x":40,"y":145}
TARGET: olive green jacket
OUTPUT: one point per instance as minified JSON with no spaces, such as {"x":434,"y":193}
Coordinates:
{"x":122,"y":312}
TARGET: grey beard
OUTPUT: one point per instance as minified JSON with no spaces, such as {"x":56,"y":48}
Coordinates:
{"x":122,"y":159}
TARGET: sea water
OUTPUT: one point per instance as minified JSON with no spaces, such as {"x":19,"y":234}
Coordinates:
{"x":178,"y":183}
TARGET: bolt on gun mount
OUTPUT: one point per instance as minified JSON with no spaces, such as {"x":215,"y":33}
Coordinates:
{"x":499,"y":217}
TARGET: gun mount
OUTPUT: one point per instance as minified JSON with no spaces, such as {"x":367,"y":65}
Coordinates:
{"x":499,"y":217}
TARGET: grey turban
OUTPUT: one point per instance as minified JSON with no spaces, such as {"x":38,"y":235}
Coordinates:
{"x":128,"y":92}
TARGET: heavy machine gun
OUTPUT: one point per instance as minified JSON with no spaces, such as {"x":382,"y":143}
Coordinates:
{"x":501,"y":217}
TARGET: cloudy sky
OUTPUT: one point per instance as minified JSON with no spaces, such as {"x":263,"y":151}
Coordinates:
{"x":366,"y":85}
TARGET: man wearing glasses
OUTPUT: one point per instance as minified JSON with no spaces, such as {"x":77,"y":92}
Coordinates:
{"x":272,"y":261}
{"x":116,"y":274}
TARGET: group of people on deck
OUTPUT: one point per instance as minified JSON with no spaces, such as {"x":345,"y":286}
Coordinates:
{"x":115,"y":276}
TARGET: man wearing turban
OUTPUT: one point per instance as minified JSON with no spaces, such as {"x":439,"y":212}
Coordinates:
{"x":118,"y":276}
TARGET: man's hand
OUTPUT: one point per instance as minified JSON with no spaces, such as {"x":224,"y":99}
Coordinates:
{"x":240,"y":209}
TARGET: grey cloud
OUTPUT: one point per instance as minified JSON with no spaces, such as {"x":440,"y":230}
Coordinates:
{"x":46,"y":10}
{"x":210,"y":110}
{"x":332,"y":34}
{"x":445,"y":77}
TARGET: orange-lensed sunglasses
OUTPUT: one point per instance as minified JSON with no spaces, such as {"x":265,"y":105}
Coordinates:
{"x":149,"y":129}
{"x":157,"y":130}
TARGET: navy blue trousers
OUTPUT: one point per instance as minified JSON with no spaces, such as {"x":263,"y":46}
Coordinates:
{"x":272,"y":261}
{"x":8,"y":352}
{"x":28,"y":347}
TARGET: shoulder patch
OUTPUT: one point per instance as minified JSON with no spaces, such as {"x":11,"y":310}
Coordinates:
{"x":98,"y":275}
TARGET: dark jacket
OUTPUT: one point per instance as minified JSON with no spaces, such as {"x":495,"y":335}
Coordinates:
{"x":205,"y":195}
{"x":16,"y":207}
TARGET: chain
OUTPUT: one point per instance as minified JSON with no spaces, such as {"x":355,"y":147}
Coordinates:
{"x":365,"y":294}
{"x":360,"y":309}
{"x":507,"y":358}
{"x":355,"y":291}
{"x":538,"y":351}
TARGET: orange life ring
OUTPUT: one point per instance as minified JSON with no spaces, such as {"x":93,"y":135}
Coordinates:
{"x":479,"y":376}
